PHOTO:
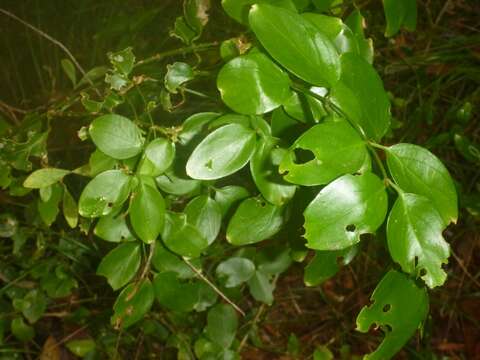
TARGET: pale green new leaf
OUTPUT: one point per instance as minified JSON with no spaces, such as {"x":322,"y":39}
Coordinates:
{"x":44,"y":177}
{"x":70,"y":208}
{"x":120,"y":265}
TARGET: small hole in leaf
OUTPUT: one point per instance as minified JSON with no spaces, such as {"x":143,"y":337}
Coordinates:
{"x":387,"y":308}
{"x":263,"y":203}
{"x":423,"y":272}
{"x":416,"y":261}
{"x":350,"y":228}
{"x":209,"y":164}
{"x":303,"y":156}
{"x":110,"y":204}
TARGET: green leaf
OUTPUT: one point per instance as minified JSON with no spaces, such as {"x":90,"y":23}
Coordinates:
{"x":331,"y":149}
{"x":157,"y":157}
{"x":302,"y":49}
{"x":22,"y":331}
{"x":105,"y":192}
{"x":400,"y":13}
{"x":254,"y":220}
{"x":174,"y":294}
{"x":147,"y":212}
{"x":356,"y":22}
{"x":80,"y":347}
{"x":132,"y":304}
{"x":165,"y":261}
{"x":345,"y":209}
{"x":116,"y":136}
{"x":92,"y":75}
{"x":398,"y":304}
{"x":469,"y":150}
{"x":194,"y":125}
{"x":120,"y":265}
{"x":205,"y":214}
{"x":222,"y":325}
{"x":181,"y":237}
{"x":416,"y":170}
{"x":273,"y":259}
{"x":44,"y":177}
{"x":123,"y":60}
{"x":69,"y":70}
{"x":306,"y":108}
{"x":261,"y":288}
{"x":8,"y":225}
{"x":253,"y":84}
{"x":222,"y":153}
{"x":99,"y":162}
{"x":70,"y":208}
{"x":228,"y":196}
{"x":32,"y":306}
{"x":171,"y":183}
{"x":264,"y":170}
{"x":178,"y":73}
{"x":182,"y":31}
{"x":238,"y":9}
{"x":415,"y":241}
{"x":235,"y":271}
{"x":113,"y":228}
{"x":48,"y":210}
{"x":361,"y":96}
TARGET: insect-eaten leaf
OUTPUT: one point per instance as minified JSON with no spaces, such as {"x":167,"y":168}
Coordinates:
{"x":178,"y":73}
{"x":132,"y":304}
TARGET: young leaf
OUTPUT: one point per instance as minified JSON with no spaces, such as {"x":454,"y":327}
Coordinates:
{"x":44,"y":177}
{"x":333,"y":149}
{"x":181,"y":237}
{"x":400,"y":13}
{"x":261,"y":288}
{"x":236,"y":270}
{"x":264,"y":169}
{"x":132,"y":304}
{"x":238,"y":9}
{"x":120,"y":265}
{"x":174,"y":294}
{"x":345,"y":209}
{"x":301,"y":49}
{"x":361,"y":96}
{"x":205,"y":214}
{"x":104,"y":193}
{"x":157,"y":157}
{"x":48,"y":210}
{"x":415,"y":241}
{"x":254,"y":213}
{"x":69,"y":70}
{"x":253,"y":84}
{"x":416,"y":170}
{"x":147,"y":212}
{"x":116,"y":136}
{"x":222,"y":152}
{"x":228,"y":196}
{"x":222,"y":325}
{"x":177,"y":74}
{"x":113,"y":227}
{"x":70,"y":208}
{"x":398,"y":304}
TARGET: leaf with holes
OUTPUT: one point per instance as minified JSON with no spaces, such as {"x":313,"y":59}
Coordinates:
{"x":302,"y":49}
{"x":254,"y":220}
{"x":416,"y":170}
{"x":181,"y":237}
{"x":116,"y":136}
{"x":44,"y":177}
{"x":253,"y":84}
{"x":361,"y":96}
{"x":105,"y":192}
{"x":323,"y":153}
{"x":113,"y":227}
{"x":157,"y":157}
{"x":222,"y":325}
{"x":415,"y":241}
{"x":222,"y":152}
{"x":120,"y":265}
{"x":399,"y":307}
{"x":205,"y":214}
{"x":177,"y":74}
{"x":132,"y":304}
{"x":345,"y":209}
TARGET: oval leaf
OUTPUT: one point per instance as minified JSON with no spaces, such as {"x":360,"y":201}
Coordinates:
{"x":181,"y":237}
{"x":236,"y":271}
{"x":113,"y":228}
{"x":132,"y":304}
{"x":205,"y":214}
{"x":44,"y":177}
{"x":222,"y":325}
{"x":157,"y":158}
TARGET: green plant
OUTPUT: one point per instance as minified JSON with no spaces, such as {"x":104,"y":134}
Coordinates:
{"x":304,"y":138}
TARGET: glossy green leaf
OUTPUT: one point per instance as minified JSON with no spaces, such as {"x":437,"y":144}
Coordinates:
{"x":22,"y":331}
{"x":222,"y":325}
{"x":113,"y":227}
{"x":44,"y":177}
{"x":147,"y":212}
{"x":222,"y":152}
{"x":116,"y":136}
{"x":230,"y":195}
{"x":253,"y":84}
{"x":306,"y":108}
{"x":333,"y":149}
{"x":105,"y":192}
{"x":361,"y":96}
{"x":254,"y":220}
{"x":399,"y":307}
{"x":205,"y":214}
{"x":194,"y":125}
{"x":178,"y":73}
{"x":261,"y":288}
{"x":70,"y":208}
{"x":415,"y":241}
{"x":345,"y":209}
{"x":157,"y":157}
{"x":356,"y":22}
{"x":165,"y":261}
{"x":80,"y":347}
{"x":174,"y":294}
{"x":264,"y":170}
{"x":171,"y":183}
{"x":398,"y":14}
{"x":235,"y":271}
{"x":296,"y":44}
{"x":238,"y":9}
{"x":416,"y":170}
{"x":132,"y":304}
{"x":181,"y":237}
{"x":99,"y":162}
{"x":120,"y":265}
{"x":49,"y":209}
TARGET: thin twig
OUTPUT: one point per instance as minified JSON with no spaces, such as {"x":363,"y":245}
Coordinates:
{"x":217,"y":290}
